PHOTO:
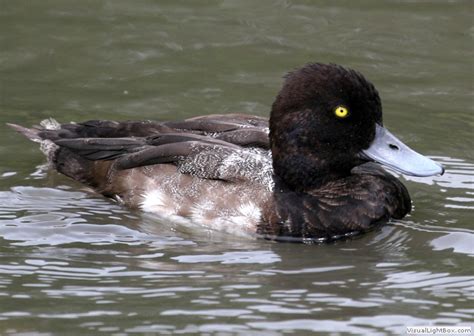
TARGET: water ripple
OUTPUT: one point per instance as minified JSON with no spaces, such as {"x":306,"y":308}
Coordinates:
{"x":252,"y":257}
{"x":459,"y":174}
{"x":44,"y":216}
{"x":429,"y":281}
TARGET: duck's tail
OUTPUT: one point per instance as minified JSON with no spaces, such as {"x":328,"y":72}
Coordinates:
{"x":30,"y":133}
{"x":37,"y":134}
{"x":61,"y":159}
{"x":34,"y":133}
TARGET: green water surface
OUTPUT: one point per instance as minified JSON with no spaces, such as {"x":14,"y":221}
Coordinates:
{"x":72,"y":262}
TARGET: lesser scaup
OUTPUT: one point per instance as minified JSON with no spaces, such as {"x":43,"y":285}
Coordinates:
{"x":308,"y":174}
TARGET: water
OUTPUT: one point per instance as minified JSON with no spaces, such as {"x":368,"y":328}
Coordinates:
{"x":73,"y":262}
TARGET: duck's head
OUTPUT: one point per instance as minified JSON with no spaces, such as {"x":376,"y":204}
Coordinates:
{"x":326,"y":120}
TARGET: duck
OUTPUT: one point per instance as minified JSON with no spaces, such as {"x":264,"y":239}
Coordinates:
{"x":312,"y":172}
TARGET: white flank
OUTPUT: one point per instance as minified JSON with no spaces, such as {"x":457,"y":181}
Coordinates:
{"x":250,"y":211}
{"x":241,"y":221}
{"x":199,"y":211}
{"x":158,"y":202}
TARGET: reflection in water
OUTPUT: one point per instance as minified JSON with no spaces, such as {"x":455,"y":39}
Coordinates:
{"x":51,"y":217}
{"x":459,"y":242}
{"x":253,"y":257}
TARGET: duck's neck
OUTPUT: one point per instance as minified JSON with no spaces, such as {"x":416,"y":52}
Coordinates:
{"x":302,"y":170}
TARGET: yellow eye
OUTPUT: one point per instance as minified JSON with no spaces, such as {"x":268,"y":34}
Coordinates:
{"x":341,"y":111}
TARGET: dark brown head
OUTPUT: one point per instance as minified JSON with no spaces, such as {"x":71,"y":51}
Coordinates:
{"x":322,"y":118}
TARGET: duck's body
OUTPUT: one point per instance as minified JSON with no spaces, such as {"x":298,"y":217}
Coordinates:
{"x":307,"y":180}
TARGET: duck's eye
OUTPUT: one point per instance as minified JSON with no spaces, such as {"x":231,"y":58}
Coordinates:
{"x":341,"y":112}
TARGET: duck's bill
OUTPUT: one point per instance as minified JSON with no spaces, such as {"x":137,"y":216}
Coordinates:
{"x":389,"y":151}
